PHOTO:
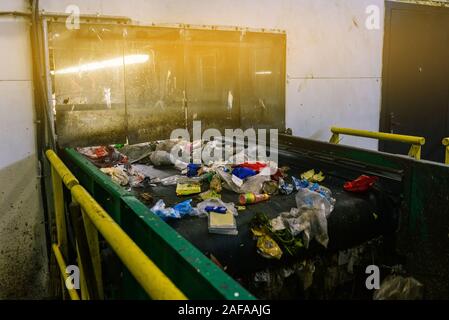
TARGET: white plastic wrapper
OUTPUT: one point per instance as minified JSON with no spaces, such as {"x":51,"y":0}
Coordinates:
{"x":252,"y":184}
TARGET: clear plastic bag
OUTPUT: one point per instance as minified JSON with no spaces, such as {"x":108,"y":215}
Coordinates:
{"x":314,"y":210}
{"x":396,"y":287}
{"x":253,"y":184}
{"x":305,"y":198}
{"x":399,"y":288}
{"x":172,"y":180}
{"x":161,"y":158}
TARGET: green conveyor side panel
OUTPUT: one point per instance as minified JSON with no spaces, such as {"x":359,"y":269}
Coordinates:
{"x":194,"y":274}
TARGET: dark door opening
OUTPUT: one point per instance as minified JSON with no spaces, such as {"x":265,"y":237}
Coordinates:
{"x":415,"y":93}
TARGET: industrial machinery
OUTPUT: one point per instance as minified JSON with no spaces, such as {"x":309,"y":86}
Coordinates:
{"x":117,"y":83}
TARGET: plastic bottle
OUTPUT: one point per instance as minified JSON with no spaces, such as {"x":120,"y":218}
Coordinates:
{"x":252,"y":198}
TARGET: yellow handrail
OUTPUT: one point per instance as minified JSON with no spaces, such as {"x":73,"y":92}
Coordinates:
{"x":416,"y":142}
{"x":155,"y":283}
{"x":446,"y":144}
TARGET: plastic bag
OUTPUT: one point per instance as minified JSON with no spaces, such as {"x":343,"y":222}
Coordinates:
{"x":172,"y":180}
{"x":164,"y":213}
{"x":399,"y":288}
{"x":253,"y":184}
{"x":161,"y":158}
{"x":301,"y":185}
{"x":185,"y":208}
{"x":312,"y":200}
{"x":314,"y":210}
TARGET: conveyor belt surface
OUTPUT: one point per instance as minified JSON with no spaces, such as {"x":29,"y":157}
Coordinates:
{"x":356,"y":218}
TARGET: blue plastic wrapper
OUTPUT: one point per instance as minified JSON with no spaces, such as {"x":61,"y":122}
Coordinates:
{"x":243,"y":173}
{"x":192,"y":169}
{"x":300,"y":184}
{"x":285,"y":188}
{"x":216,"y":209}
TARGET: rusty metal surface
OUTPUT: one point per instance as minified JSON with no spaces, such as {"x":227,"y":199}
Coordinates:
{"x":91,"y":127}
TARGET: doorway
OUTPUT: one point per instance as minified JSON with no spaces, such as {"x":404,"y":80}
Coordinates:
{"x":415,"y":93}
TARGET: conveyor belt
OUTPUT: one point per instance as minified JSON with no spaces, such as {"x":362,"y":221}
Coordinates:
{"x":355,"y":219}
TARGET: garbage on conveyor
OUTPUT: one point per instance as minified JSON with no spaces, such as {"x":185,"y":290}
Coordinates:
{"x":396,"y":287}
{"x":312,"y":176}
{"x":215,"y":203}
{"x":268,"y":248}
{"x":216,"y":209}
{"x":171,"y":180}
{"x":137,"y":152}
{"x":243,"y":173}
{"x":255,"y":182}
{"x":315,"y":187}
{"x":361,"y":184}
{"x":186,"y":189}
{"x":222,"y":223}
{"x":252,"y":184}
{"x":185,"y":208}
{"x":164,"y":213}
{"x":162,"y":158}
{"x":252,"y":198}
{"x":117,"y":175}
{"x":178,"y":211}
{"x":103,"y":156}
{"x":215,"y":184}
{"x":192,"y":169}
{"x":295,"y":229}
{"x":261,"y":225}
{"x":284,"y":187}
{"x":210,"y":194}
{"x":270,"y":187}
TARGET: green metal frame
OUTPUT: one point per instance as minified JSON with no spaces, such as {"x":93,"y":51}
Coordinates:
{"x":423,"y":232}
{"x":192,"y":272}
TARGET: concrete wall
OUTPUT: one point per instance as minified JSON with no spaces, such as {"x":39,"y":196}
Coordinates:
{"x":333,"y":61}
{"x":23,"y":258}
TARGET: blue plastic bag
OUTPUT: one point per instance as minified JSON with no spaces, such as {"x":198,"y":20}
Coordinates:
{"x":184,"y":208}
{"x":164,"y":213}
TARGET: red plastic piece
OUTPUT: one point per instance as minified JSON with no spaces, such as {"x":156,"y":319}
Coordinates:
{"x":256,"y":166}
{"x":361,"y":184}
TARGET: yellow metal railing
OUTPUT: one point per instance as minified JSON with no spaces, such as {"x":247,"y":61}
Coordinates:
{"x":155,"y":283}
{"x":416,"y":142}
{"x":446,"y":146}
